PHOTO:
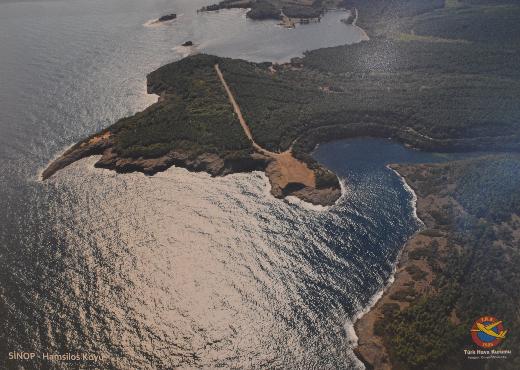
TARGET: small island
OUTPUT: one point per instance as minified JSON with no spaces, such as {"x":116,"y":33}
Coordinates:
{"x":331,"y":93}
{"x":167,"y":17}
{"x":431,"y":77}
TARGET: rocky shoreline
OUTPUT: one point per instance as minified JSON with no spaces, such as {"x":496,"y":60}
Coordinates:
{"x":103,"y":144}
{"x":371,"y":349}
{"x":216,"y":165}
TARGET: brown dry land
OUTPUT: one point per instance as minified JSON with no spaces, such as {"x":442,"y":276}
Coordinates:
{"x":371,"y":349}
{"x":284,"y":169}
{"x":413,"y":277}
{"x":98,"y":139}
{"x":425,"y":259}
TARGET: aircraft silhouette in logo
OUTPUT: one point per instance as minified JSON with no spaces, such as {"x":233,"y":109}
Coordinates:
{"x":488,"y":329}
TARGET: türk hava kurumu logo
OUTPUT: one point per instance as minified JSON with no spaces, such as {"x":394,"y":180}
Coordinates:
{"x":488,"y":332}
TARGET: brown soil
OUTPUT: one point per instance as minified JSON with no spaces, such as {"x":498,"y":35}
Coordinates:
{"x":371,"y":349}
{"x":287,"y":174}
{"x":98,"y":138}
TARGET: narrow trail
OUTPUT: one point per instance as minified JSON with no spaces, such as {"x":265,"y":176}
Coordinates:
{"x":238,"y":112}
{"x":290,"y":169}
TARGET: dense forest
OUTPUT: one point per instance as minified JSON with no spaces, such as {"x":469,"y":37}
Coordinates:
{"x":444,"y":79}
{"x":476,"y":274}
{"x":193,"y":115}
{"x":398,"y":84}
{"x":273,"y":9}
{"x":437,"y":75}
{"x":435,"y":94}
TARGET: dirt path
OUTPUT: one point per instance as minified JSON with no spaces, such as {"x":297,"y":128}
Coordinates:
{"x":285,"y":168}
{"x":238,"y":112}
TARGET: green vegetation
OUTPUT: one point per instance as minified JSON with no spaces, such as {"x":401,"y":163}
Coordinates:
{"x":490,"y":189}
{"x":263,"y":10}
{"x":295,"y":11}
{"x":372,"y":12}
{"x":194,"y":115}
{"x":496,"y":25}
{"x":452,"y":52}
{"x":397,"y":85}
{"x":272,"y":9}
{"x":421,"y":336}
{"x":416,"y":273}
{"x":479,"y":271}
{"x":432,"y":95}
{"x":435,"y":75}
{"x":405,"y":295}
{"x":229,"y":4}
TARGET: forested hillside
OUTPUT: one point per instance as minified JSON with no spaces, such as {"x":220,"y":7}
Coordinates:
{"x":473,"y":226}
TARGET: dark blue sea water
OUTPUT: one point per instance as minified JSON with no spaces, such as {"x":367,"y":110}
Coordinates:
{"x":178,"y":269}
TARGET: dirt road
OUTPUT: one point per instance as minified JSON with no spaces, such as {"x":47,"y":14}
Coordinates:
{"x":286,"y":169}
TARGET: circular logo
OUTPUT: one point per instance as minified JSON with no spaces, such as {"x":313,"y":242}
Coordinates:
{"x":488,"y":332}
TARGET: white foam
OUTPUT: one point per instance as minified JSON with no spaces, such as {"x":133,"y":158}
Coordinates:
{"x":315,"y":207}
{"x":408,"y":188}
{"x":155,"y":22}
{"x":362,"y":311}
{"x":185,"y":51}
{"x":301,"y":203}
{"x":306,"y":205}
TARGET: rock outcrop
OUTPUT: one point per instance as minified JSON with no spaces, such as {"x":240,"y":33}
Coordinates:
{"x":167,"y":17}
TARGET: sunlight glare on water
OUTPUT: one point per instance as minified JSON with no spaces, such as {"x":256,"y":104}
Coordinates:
{"x":178,"y":269}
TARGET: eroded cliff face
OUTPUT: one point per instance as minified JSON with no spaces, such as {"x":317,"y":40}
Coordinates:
{"x":103,"y":145}
{"x":195,"y":126}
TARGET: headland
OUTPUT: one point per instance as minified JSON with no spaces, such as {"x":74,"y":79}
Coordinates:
{"x":431,"y":77}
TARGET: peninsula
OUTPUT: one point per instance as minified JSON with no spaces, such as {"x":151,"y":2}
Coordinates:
{"x":439,"y":75}
{"x":194,"y":125}
{"x":411,"y":88}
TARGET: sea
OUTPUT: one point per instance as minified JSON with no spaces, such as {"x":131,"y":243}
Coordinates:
{"x":177,"y":270}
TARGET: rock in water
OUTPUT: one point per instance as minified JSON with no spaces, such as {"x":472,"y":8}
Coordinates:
{"x":167,"y":17}
{"x":188,"y":43}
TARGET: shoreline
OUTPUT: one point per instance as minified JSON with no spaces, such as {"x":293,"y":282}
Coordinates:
{"x":288,"y":174}
{"x":57,"y":155}
{"x":371,"y":348}
{"x":278,"y":176}
{"x":414,"y":199}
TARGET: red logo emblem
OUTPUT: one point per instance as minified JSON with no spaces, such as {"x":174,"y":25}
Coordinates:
{"x":488,"y":332}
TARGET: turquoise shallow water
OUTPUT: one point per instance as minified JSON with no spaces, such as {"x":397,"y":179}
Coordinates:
{"x":179,"y":269}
